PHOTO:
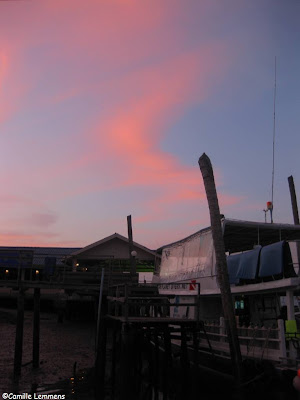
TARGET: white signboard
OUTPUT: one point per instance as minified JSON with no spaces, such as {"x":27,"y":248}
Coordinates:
{"x":186,"y":289}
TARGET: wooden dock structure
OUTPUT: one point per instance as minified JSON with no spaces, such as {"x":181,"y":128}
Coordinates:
{"x":136,"y":357}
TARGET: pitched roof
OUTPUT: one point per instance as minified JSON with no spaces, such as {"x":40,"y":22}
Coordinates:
{"x":111,"y":237}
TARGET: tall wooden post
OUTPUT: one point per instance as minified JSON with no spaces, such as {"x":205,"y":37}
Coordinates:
{"x":19,"y":334}
{"x":294,"y":200}
{"x":130,"y":242}
{"x":295,"y":212}
{"x":221,"y":263}
{"x":36,"y":329}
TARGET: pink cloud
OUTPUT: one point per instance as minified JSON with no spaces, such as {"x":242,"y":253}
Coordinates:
{"x":144,"y":82}
{"x":43,"y":220}
{"x":129,"y":140}
{"x":36,"y":239}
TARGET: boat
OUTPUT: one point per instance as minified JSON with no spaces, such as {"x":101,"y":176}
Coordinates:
{"x":263,"y":271}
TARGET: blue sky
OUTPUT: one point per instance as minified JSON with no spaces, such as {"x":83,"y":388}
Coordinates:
{"x":106,"y":106}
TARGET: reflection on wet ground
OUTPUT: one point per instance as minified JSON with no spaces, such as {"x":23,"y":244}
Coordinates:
{"x":65,"y":348}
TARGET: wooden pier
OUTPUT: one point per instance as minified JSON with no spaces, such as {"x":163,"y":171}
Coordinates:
{"x":137,"y":358}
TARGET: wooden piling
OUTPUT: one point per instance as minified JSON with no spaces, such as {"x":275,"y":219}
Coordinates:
{"x":19,"y":334}
{"x":294,"y":200}
{"x":156,"y":365}
{"x":36,"y":329}
{"x":113,"y":361}
{"x":130,"y":243}
{"x":126,"y":364}
{"x":167,"y":362}
{"x":295,"y":213}
{"x":221,"y":264}
{"x":100,"y":363}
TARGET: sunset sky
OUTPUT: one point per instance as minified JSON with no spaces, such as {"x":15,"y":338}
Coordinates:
{"x":106,"y":106}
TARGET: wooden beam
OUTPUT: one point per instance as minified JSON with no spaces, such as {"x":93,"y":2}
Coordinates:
{"x":295,"y":213}
{"x":294,"y":200}
{"x":19,"y":334}
{"x":221,"y":264}
{"x":130,"y":242}
{"x":36,"y":329}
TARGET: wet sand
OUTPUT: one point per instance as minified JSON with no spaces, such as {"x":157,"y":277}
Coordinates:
{"x":61,"y":345}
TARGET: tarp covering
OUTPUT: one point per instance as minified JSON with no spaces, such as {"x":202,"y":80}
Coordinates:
{"x":189,"y":258}
{"x":243,"y":265}
{"x":233,"y":264}
{"x":276,"y":259}
{"x":249,"y":264}
{"x":271,"y":261}
{"x":194,"y":257}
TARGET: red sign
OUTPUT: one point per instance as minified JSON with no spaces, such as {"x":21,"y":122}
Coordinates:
{"x":193,"y":285}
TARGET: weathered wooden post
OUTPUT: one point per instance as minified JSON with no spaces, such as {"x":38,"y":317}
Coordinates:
{"x":36,"y":329}
{"x":101,"y":338}
{"x":294,"y":200}
{"x":221,"y":264}
{"x":130,"y":242}
{"x":19,"y":334}
{"x":295,"y":213}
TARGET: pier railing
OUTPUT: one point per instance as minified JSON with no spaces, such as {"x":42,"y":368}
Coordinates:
{"x":255,"y":341}
{"x":144,"y":301}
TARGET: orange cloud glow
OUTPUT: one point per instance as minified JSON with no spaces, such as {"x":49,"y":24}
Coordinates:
{"x":92,"y":91}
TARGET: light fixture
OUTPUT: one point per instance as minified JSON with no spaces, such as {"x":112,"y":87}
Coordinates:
{"x":133,"y":253}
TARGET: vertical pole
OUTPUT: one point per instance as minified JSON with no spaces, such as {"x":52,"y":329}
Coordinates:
{"x":290,"y":304}
{"x":295,"y":213}
{"x":156,"y":365}
{"x":113,"y":361}
{"x":167,"y":362}
{"x":222,"y":329}
{"x":19,"y":334}
{"x":101,"y":336}
{"x":197,"y":314}
{"x":36,"y":329}
{"x":130,"y":242}
{"x":294,"y":200}
{"x":126,"y":305}
{"x":281,"y":337}
{"x":99,"y":309}
{"x":184,"y":363}
{"x":100,"y":363}
{"x":221,"y":264}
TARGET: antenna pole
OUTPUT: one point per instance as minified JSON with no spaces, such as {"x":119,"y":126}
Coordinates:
{"x":274,"y":131}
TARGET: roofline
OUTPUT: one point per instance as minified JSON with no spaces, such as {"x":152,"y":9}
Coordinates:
{"x":265,"y":225}
{"x":39,"y":247}
{"x":237,"y":222}
{"x":113,"y":236}
{"x":208,"y":228}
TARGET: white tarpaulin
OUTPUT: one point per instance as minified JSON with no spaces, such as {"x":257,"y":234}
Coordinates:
{"x":190,"y":258}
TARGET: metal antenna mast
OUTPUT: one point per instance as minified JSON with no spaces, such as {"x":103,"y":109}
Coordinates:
{"x":274,"y":131}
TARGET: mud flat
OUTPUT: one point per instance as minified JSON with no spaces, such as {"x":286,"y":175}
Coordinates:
{"x":61,"y":346}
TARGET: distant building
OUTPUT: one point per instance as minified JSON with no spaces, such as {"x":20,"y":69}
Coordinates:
{"x":43,"y":260}
{"x":111,"y":253}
